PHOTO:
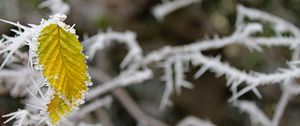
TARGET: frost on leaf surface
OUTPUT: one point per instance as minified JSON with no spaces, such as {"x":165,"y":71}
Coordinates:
{"x":60,"y":54}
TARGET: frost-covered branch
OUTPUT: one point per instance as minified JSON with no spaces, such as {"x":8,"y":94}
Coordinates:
{"x":235,"y":77}
{"x":177,"y":57}
{"x":10,"y":45}
{"x":289,"y":88}
{"x":17,"y":79}
{"x":103,"y":40}
{"x":280,"y":25}
{"x":23,"y":117}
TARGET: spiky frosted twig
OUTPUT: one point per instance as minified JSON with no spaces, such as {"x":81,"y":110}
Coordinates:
{"x":279,"y":23}
{"x":235,"y":77}
{"x":17,"y":79}
{"x":10,"y":45}
{"x":288,"y":86}
{"x":243,"y":36}
{"x":102,"y":40}
{"x":23,"y":118}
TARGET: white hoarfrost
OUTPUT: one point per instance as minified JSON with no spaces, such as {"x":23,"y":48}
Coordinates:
{"x":175,"y":61}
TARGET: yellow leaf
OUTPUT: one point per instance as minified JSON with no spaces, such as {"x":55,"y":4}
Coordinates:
{"x":57,"y":108}
{"x":60,"y":54}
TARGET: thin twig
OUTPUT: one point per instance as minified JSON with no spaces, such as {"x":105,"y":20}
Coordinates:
{"x":134,"y":110}
{"x":282,"y":103}
{"x":127,"y":101}
{"x":103,"y":117}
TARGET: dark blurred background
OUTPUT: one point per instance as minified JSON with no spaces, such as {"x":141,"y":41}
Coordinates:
{"x":208,"y":100}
